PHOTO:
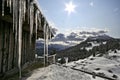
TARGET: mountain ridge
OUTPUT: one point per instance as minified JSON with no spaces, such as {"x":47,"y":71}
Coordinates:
{"x":90,"y":47}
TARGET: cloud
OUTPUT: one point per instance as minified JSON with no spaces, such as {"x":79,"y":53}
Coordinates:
{"x":85,"y":30}
{"x":93,"y":32}
{"x":74,"y":37}
{"x":70,"y":40}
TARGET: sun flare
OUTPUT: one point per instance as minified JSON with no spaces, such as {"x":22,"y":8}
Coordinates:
{"x":70,"y":7}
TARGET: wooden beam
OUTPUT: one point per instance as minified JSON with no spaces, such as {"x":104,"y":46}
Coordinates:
{"x":6,"y":18}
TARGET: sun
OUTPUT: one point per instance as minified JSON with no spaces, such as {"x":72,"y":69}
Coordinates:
{"x":70,"y":7}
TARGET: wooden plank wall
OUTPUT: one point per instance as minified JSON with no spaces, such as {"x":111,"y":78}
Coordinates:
{"x":0,"y":46}
{"x":9,"y":45}
{"x":6,"y":46}
{"x":9,"y":50}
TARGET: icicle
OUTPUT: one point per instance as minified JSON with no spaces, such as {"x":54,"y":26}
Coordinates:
{"x":7,"y":3}
{"x":19,"y":40}
{"x":10,"y":6}
{"x":24,"y":9}
{"x":13,"y":15}
{"x":39,"y":18}
{"x":36,"y":14}
{"x":31,"y":20}
{"x":47,"y":42}
{"x":36,"y":20}
{"x":28,"y":10}
{"x":3,"y":3}
{"x":44,"y":42}
{"x":50,"y":33}
{"x":16,"y":18}
{"x":20,"y":35}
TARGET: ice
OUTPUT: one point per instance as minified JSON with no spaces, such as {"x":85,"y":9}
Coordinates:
{"x":50,"y":34}
{"x":7,"y":3}
{"x":20,"y":35}
{"x":28,"y":10}
{"x":44,"y":41}
{"x":10,"y":2}
{"x":3,"y":3}
{"x":15,"y":8}
{"x":31,"y":20}
{"x":13,"y":15}
{"x":36,"y":18}
{"x":15,"y":18}
{"x":19,"y":9}
{"x":24,"y":9}
{"x":47,"y":34}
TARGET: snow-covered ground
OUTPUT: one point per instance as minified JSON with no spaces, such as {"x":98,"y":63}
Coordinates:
{"x":93,"y":44}
{"x":96,"y":78}
{"x":55,"y":72}
{"x":108,"y":65}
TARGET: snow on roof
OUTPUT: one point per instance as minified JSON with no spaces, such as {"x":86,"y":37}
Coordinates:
{"x":41,"y":11}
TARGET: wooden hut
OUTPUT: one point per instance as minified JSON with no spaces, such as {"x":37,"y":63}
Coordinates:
{"x":21,"y":23}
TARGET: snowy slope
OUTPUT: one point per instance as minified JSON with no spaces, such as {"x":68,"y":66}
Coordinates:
{"x":55,"y":72}
{"x":60,"y":42}
{"x":93,"y":44}
{"x":108,"y":65}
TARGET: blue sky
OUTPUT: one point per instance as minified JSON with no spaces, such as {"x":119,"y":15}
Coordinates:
{"x":88,"y":15}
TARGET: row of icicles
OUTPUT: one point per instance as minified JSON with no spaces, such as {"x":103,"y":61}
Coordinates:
{"x":18,"y":10}
{"x":19,"y":6}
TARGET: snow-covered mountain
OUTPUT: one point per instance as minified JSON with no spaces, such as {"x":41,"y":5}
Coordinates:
{"x":107,"y":65}
{"x":62,"y":41}
{"x":103,"y":37}
{"x":98,"y":54}
{"x":88,"y":48}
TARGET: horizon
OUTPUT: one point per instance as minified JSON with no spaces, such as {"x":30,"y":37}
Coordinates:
{"x":69,"y":16}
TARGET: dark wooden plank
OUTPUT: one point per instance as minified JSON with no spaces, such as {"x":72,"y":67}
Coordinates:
{"x":0,"y":45}
{"x":7,"y":18}
{"x":10,"y":57}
